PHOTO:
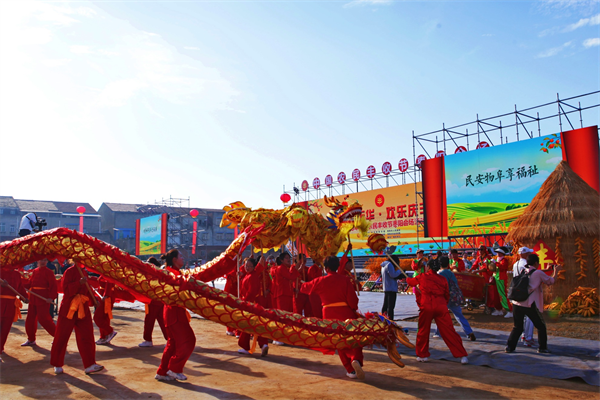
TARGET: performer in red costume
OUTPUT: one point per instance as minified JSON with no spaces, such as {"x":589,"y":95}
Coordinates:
{"x":484,"y":265}
{"x":418,"y":265}
{"x":103,"y":313}
{"x":231,"y":286}
{"x":253,"y":290}
{"x":501,"y":278}
{"x":42,"y":283}
{"x":346,"y":267}
{"x":10,"y":305}
{"x":284,"y":278}
{"x":302,"y":303}
{"x":435,"y":295}
{"x":315,"y":272}
{"x":75,"y":314}
{"x":181,"y":339}
{"x":456,"y":264}
{"x":340,"y":302}
{"x":154,"y":312}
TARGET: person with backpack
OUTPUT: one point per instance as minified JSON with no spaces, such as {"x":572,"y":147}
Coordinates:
{"x":527,"y":298}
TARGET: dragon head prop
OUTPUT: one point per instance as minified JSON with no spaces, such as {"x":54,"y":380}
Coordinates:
{"x":341,"y":212}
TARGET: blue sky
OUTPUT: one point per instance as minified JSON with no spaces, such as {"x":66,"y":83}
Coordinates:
{"x":224,"y":101}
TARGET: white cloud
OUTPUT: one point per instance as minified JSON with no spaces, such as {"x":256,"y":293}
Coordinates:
{"x":56,"y":62}
{"x":595,"y":20}
{"x":587,"y":43}
{"x":553,"y":51}
{"x":191,"y":48}
{"x":355,"y":3}
{"x":78,"y":49}
{"x":554,"y":161}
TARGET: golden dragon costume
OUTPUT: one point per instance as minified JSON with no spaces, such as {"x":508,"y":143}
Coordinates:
{"x":146,"y":283}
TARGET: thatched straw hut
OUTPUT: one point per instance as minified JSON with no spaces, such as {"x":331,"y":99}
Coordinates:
{"x":565,"y":214}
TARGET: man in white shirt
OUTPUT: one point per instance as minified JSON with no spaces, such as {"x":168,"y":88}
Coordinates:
{"x":27,"y":224}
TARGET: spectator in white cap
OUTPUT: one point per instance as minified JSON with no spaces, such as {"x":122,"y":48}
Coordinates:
{"x":518,"y":267}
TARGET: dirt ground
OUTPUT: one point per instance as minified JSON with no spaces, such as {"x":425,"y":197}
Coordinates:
{"x":565,"y":326}
{"x":216,"y":370}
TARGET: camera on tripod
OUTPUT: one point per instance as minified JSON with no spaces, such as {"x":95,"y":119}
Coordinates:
{"x":40,"y":223}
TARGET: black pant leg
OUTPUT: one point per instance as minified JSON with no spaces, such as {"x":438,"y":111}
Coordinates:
{"x":538,"y":321}
{"x":392,"y":304}
{"x":385,"y":303}
{"x":518,"y":318}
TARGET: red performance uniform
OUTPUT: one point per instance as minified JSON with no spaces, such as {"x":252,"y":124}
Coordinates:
{"x":283,"y":290}
{"x":419,"y":267}
{"x":481,"y":262}
{"x":493,"y":299}
{"x":315,"y":272}
{"x":42,"y":282}
{"x":302,"y":303}
{"x":231,"y":286}
{"x":10,"y":305}
{"x":103,"y":313}
{"x":74,"y":313}
{"x":154,"y":312}
{"x":342,"y":271}
{"x":253,"y":290}
{"x":434,"y":306}
{"x":339,"y":302}
{"x":458,"y":265}
{"x":181,"y":339}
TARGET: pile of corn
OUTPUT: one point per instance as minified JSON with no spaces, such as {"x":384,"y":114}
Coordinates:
{"x":584,"y":301}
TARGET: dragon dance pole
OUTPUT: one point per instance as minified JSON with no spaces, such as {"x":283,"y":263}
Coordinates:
{"x":14,"y":290}
{"x":87,"y":285}
{"x":356,"y":284}
{"x":401,"y":270}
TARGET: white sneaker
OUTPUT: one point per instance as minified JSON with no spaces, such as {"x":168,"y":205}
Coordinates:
{"x":265,"y":350}
{"x":110,"y":337}
{"x":230,"y":333}
{"x":93,"y":368}
{"x":435,"y":335}
{"x":351,"y":375}
{"x":58,"y":370}
{"x":101,"y":341}
{"x":163,"y":377}
{"x":146,"y":343}
{"x":28,"y":343}
{"x":422,"y":359}
{"x":177,"y":375}
{"x":497,"y":313}
{"x":464,"y":360}
{"x":276,"y":343}
{"x":508,"y":315}
{"x":360,"y":374}
{"x":243,"y":351}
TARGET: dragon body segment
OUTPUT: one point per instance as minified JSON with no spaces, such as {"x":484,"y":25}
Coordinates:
{"x":147,"y":283}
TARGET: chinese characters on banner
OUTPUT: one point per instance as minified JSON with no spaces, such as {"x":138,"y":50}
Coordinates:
{"x":509,"y":173}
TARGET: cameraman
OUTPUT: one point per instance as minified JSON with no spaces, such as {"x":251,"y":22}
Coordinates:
{"x":28,"y":224}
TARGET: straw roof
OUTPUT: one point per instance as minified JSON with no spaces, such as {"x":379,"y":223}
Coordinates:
{"x":565,"y":206}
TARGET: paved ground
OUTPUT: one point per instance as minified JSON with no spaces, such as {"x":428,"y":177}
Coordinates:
{"x":215,"y":370}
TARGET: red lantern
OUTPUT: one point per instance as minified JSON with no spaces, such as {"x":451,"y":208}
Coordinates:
{"x":80,"y":209}
{"x":285,"y":197}
{"x":194,"y":213}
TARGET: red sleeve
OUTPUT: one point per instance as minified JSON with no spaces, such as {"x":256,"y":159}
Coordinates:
{"x":343,"y":262}
{"x":52,"y":286}
{"x":310,"y":287}
{"x":414,"y":281}
{"x":290,"y":274}
{"x":19,"y":285}
{"x":351,"y":297}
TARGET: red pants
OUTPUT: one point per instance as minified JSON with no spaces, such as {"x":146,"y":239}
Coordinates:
{"x":5,"y":325}
{"x":493,"y":300}
{"x":102,"y":320}
{"x":437,"y":309}
{"x":84,"y":334}
{"x":315,"y":304}
{"x":302,"y":305}
{"x":244,"y":341}
{"x":349,"y":355}
{"x":181,"y":342}
{"x":285,"y":303}
{"x":155,"y":313}
{"x":38,"y":313}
